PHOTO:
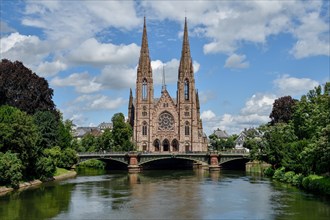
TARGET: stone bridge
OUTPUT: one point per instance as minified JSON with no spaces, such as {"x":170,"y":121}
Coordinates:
{"x":135,"y":161}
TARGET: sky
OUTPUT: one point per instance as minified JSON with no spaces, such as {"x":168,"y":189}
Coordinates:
{"x":246,"y":54}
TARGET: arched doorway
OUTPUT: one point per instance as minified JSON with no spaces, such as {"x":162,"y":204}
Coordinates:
{"x":166,"y":145}
{"x":187,"y":147}
{"x":156,"y":144}
{"x":144,"y":146}
{"x":175,"y":145}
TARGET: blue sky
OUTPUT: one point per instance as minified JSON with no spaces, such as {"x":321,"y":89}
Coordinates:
{"x":246,"y":53}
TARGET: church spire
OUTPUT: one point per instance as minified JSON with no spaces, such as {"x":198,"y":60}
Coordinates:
{"x":163,"y":80}
{"x":185,"y":68}
{"x":144,"y":68}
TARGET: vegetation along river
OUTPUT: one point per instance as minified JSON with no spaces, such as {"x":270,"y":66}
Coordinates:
{"x":179,"y":194}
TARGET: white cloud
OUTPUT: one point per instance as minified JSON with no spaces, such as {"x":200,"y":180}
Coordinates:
{"x":82,"y":82}
{"x":207,"y":115}
{"x":228,"y":26}
{"x":46,"y":69}
{"x":313,"y":37}
{"x":236,"y":61}
{"x":95,"y":53}
{"x":70,"y":23}
{"x":117,"y":77}
{"x":26,"y":48}
{"x":292,"y":86}
{"x":171,"y":70}
{"x":255,"y":112}
{"x":98,"y":102}
{"x":259,"y":104}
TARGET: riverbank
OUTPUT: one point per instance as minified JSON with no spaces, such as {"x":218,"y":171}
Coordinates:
{"x":311,"y":183}
{"x":34,"y":183}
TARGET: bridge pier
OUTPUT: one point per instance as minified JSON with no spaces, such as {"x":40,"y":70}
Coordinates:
{"x":214,"y":162}
{"x":133,"y":166}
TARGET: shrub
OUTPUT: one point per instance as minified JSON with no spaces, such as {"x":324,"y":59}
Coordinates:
{"x":269,"y":172}
{"x":10,"y":169}
{"x":297,"y":180}
{"x":45,"y":168}
{"x":279,"y":174}
{"x":288,"y":177}
{"x":93,"y":163}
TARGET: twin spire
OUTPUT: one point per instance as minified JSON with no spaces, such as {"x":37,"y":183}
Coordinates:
{"x":185,"y":68}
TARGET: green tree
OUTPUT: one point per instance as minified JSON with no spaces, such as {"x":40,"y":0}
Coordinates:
{"x":19,"y":134}
{"x":277,"y":139}
{"x":121,"y":133}
{"x":89,"y":143}
{"x":45,"y":168}
{"x":65,"y":134}
{"x":69,"y":158}
{"x":106,"y":141}
{"x":47,"y":124}
{"x":10,"y":169}
{"x":21,"y":88}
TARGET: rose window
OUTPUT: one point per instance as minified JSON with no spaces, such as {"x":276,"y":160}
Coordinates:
{"x":166,"y":121}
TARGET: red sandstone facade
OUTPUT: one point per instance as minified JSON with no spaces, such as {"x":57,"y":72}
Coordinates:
{"x":166,"y":124}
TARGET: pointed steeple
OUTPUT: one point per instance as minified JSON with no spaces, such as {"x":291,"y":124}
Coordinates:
{"x":130,"y":104}
{"x":163,"y":80}
{"x":197,"y":101}
{"x":144,"y":68}
{"x":185,"y":69}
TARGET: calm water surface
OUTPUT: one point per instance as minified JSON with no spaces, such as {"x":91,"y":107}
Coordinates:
{"x":164,"y":195}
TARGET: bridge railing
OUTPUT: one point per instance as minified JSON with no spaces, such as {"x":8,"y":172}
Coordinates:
{"x":226,"y":152}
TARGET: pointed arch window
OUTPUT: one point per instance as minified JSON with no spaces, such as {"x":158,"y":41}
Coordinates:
{"x":144,"y":128}
{"x":186,"y":89}
{"x":144,"y":89}
{"x":187,"y":128}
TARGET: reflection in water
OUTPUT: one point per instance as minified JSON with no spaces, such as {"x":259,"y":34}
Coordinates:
{"x":187,"y":194}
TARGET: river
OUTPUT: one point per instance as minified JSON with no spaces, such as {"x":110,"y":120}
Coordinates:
{"x":179,"y":194}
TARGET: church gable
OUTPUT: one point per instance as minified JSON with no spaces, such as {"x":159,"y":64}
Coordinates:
{"x":165,"y":102}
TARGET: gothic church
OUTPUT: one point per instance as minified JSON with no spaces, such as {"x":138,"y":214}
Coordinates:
{"x":165,"y":124}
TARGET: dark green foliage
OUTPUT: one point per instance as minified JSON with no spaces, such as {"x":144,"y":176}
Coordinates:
{"x":279,"y":173}
{"x":21,"y":88}
{"x":277,"y":139}
{"x":269,"y":172}
{"x":317,"y":184}
{"x":221,"y":143}
{"x":19,"y":134}
{"x":68,"y":158}
{"x":121,"y":133}
{"x":10,"y":169}
{"x":106,"y":141}
{"x":64,"y":134}
{"x":54,"y":153}
{"x":47,"y":124}
{"x":93,"y":163}
{"x":301,"y":144}
{"x":45,"y":168}
{"x":89,"y":143}
{"x":62,"y":158}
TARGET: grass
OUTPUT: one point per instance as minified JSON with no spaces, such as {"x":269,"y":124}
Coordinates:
{"x":60,"y":171}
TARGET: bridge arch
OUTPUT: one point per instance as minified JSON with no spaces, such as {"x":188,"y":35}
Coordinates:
{"x":234,"y":163}
{"x":169,"y":163}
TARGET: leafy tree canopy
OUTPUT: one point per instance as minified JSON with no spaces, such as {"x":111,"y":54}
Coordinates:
{"x":23,"y":89}
{"x":282,"y":109}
